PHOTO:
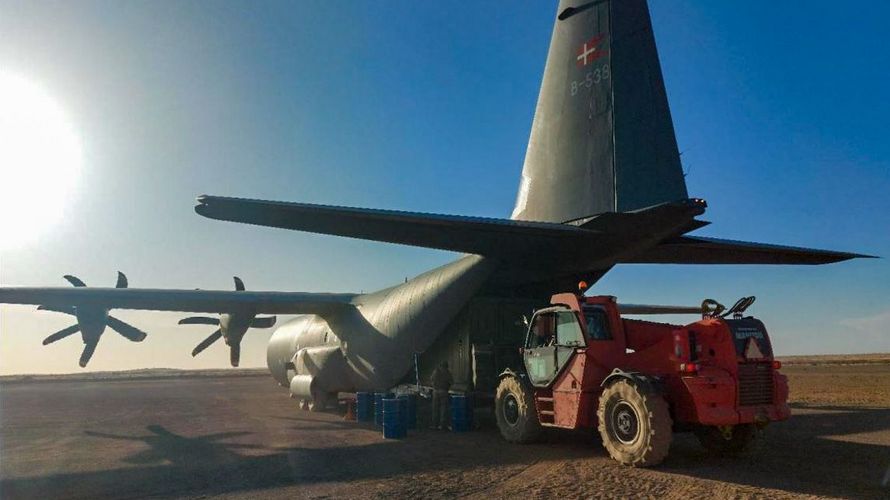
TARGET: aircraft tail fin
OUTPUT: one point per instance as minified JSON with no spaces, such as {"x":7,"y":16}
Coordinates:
{"x":602,"y":139}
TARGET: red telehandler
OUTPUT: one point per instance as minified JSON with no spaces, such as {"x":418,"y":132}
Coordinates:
{"x":584,"y":366}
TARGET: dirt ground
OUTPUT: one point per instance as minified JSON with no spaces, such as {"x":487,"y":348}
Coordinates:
{"x":243,"y":437}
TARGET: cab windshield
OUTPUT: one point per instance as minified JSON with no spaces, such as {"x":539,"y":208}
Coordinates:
{"x":558,"y":328}
{"x":568,"y":330}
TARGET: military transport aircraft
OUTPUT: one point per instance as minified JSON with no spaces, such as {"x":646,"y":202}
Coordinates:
{"x":601,"y":185}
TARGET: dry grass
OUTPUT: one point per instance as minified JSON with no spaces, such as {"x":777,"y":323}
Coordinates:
{"x":837,"y":359}
{"x":854,"y":385}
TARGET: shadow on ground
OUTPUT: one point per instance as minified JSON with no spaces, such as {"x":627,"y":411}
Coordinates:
{"x":814,"y":453}
{"x":807,"y":455}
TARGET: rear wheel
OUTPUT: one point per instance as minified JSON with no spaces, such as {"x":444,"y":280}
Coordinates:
{"x":514,"y":407}
{"x":732,"y":440}
{"x":635,"y":424}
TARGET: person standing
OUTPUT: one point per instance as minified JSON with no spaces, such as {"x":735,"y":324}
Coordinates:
{"x":441,"y":382}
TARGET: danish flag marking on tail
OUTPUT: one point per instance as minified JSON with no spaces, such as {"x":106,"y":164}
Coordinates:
{"x":590,"y":51}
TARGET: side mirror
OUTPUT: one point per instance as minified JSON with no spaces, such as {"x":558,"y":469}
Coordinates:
{"x":525,"y":320}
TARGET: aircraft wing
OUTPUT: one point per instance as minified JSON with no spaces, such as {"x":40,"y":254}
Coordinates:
{"x":698,"y":250}
{"x":484,"y":236}
{"x":205,"y":301}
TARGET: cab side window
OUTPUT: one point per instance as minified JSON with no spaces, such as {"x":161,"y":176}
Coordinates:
{"x":568,"y":330}
{"x":597,"y":323}
{"x":542,"y":331}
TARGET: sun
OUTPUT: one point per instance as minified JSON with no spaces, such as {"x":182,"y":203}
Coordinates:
{"x":40,"y":157}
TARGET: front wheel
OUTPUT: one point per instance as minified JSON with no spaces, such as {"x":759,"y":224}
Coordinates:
{"x":729,"y":441}
{"x":635,"y":424}
{"x":514,"y":407}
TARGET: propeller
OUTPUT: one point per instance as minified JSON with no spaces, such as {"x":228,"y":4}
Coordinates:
{"x":91,"y":322}
{"x":232,"y":327}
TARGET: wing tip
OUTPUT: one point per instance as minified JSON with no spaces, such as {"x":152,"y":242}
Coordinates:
{"x":709,"y":250}
{"x":833,"y":257}
{"x":865,"y":256}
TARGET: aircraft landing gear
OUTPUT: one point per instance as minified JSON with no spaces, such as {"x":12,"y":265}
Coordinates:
{"x":314,"y":404}
{"x":319,"y":402}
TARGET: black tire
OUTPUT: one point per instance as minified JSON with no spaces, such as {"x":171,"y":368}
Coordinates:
{"x":635,"y":424}
{"x":740,"y":441}
{"x":514,"y":408}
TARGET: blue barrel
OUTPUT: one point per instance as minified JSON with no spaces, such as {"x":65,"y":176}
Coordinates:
{"x":461,"y":413}
{"x":393,"y":424}
{"x":364,"y":406}
{"x":378,"y":406}
{"x":410,"y":402}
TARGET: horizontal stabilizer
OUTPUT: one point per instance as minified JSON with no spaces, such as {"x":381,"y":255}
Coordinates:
{"x":697,"y":250}
{"x":483,"y":236}
{"x":203,"y":301}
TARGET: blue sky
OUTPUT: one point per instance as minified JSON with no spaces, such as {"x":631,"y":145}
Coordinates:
{"x":780,"y":112}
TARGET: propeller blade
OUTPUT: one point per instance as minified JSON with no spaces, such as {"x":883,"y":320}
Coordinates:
{"x":59,"y":335}
{"x":74,"y":280}
{"x":239,"y":285}
{"x":206,"y":342}
{"x":235,"y":354}
{"x":121,"y":280}
{"x":127,"y":330}
{"x":63,"y":310}
{"x":266,"y":322}
{"x":88,"y":349}
{"x":199,"y":320}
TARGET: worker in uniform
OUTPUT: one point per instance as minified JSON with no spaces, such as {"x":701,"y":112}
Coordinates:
{"x":441,"y":382}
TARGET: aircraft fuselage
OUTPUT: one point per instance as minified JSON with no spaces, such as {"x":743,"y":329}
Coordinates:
{"x":372,"y":346}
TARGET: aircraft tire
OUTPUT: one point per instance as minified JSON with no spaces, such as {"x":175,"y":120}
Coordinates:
{"x":635,"y":424}
{"x":515,"y":411}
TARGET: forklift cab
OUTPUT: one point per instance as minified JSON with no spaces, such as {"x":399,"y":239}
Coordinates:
{"x":553,"y":336}
{"x":556,"y":333}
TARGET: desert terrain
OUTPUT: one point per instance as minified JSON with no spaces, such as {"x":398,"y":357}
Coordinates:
{"x":172,"y":434}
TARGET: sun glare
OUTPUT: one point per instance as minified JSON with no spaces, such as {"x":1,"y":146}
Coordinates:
{"x":40,"y":157}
